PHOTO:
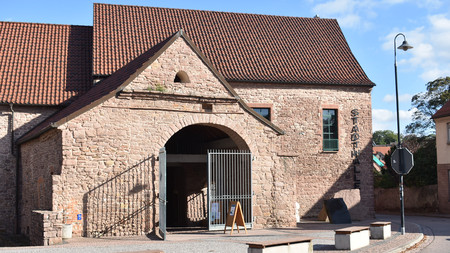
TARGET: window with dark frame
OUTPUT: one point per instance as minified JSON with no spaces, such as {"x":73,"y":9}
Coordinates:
{"x":330,"y":130}
{"x":448,"y":133}
{"x":265,"y":112}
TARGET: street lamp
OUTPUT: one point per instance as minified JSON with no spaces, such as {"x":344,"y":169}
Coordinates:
{"x":404,"y":46}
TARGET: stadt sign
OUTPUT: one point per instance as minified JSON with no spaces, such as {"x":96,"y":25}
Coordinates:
{"x":402,"y":161}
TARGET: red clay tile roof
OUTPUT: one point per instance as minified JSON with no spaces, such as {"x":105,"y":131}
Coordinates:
{"x":243,"y":47}
{"x":443,"y":112}
{"x":43,"y":64}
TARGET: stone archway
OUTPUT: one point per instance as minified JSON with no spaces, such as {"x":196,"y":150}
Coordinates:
{"x":187,"y":174}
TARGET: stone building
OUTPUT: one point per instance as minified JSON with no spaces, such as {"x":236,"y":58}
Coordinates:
{"x":442,"y":120}
{"x":102,"y":125}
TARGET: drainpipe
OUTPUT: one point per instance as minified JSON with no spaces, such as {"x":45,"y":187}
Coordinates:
{"x":12,"y":129}
{"x":17,"y":168}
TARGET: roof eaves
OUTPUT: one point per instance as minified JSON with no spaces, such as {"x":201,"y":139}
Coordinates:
{"x":369,"y":84}
{"x":443,"y":112}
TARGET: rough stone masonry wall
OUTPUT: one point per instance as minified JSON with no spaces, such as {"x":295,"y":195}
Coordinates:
{"x":110,"y":169}
{"x":302,"y":164}
{"x":41,"y":159}
{"x":102,"y":148}
{"x":47,"y":228}
{"x":25,"y":117}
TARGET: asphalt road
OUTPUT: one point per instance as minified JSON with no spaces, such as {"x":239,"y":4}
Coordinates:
{"x":436,"y":231}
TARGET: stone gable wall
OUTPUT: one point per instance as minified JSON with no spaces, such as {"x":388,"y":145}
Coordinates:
{"x":297,"y":109}
{"x":25,"y":118}
{"x":160,"y":75}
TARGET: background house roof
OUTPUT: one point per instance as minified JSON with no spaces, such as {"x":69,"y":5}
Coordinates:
{"x":443,"y":112}
{"x":43,"y":64}
{"x":243,"y":47}
{"x":382,"y":149}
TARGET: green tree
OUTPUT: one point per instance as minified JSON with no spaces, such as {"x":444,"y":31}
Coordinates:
{"x":427,"y":103}
{"x":424,"y":171}
{"x":384,"y":137}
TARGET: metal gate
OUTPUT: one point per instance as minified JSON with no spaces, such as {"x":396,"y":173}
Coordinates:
{"x":162,"y":193}
{"x":229,"y":179}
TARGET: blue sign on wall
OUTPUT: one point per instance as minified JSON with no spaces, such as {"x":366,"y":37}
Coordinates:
{"x":78,"y":216}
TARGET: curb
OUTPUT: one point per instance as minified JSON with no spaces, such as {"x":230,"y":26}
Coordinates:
{"x":410,"y":244}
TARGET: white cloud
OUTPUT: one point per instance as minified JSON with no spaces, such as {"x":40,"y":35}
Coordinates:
{"x":405,"y":116}
{"x":358,"y":14}
{"x":349,"y":13}
{"x":382,"y":115}
{"x":383,"y":119}
{"x":401,"y":98}
{"x":430,"y":4}
{"x":431,"y":52}
{"x":389,"y":98}
{"x":382,"y":126}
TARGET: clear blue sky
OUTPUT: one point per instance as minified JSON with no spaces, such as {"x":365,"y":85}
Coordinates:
{"x":369,"y":26}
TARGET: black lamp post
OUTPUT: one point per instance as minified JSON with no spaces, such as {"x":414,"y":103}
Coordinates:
{"x":404,"y":46}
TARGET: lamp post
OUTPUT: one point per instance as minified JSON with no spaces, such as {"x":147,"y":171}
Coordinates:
{"x":404,"y":46}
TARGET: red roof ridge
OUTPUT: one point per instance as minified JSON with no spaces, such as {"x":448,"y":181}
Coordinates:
{"x":226,"y":12}
{"x":45,"y":24}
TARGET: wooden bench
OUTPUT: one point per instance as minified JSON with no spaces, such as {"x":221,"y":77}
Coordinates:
{"x":295,"y":244}
{"x":380,"y":230}
{"x":351,"y":238}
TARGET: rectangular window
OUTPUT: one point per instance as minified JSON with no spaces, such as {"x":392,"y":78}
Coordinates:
{"x":330,"y":130}
{"x":265,"y":112}
{"x":448,"y":133}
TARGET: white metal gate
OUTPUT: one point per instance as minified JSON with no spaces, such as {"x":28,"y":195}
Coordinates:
{"x":162,"y":192}
{"x":229,"y":179}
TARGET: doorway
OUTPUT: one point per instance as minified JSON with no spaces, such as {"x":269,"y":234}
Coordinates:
{"x":187,"y":173}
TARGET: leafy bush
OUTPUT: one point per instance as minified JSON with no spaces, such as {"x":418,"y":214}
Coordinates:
{"x":424,"y":171}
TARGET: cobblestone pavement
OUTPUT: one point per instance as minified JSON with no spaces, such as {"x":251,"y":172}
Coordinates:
{"x":216,"y":241}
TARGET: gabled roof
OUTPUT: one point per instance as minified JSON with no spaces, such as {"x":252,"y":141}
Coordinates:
{"x":110,"y":86}
{"x":243,"y":47}
{"x":443,"y":112}
{"x":43,"y":64}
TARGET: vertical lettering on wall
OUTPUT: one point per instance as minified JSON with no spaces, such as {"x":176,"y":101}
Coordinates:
{"x":354,"y":135}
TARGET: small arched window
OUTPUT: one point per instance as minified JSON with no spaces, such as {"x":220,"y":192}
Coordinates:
{"x":181,"y":77}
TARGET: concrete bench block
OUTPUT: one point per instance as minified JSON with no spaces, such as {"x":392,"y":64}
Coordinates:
{"x":352,"y":238}
{"x":303,"y":245}
{"x":380,"y":230}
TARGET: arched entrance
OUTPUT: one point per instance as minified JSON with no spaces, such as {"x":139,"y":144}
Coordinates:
{"x":198,"y":182}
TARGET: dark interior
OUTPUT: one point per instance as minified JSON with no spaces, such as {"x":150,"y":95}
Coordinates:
{"x":187,"y":175}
